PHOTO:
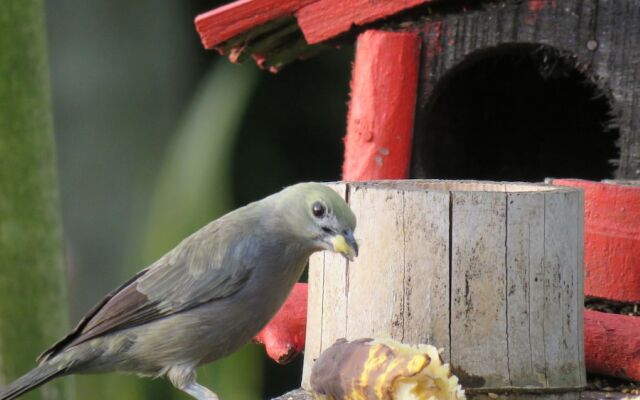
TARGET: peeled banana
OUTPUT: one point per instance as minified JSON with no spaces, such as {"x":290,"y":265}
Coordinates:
{"x":383,"y":369}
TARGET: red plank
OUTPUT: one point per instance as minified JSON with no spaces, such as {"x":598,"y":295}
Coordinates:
{"x":223,"y":23}
{"x":612,"y":239}
{"x":383,"y":97}
{"x":325,"y":19}
{"x":284,"y":336}
{"x":612,"y":344}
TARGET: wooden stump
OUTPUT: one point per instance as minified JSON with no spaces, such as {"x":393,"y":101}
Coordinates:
{"x":491,"y":272}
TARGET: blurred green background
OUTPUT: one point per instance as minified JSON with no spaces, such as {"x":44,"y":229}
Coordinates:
{"x":156,"y":136}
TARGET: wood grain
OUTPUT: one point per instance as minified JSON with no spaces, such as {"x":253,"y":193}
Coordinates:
{"x":489,"y":271}
{"x":560,"y":320}
{"x":525,"y":292}
{"x":375,"y":295}
{"x":478,"y":289}
{"x":325,"y":19}
{"x":426,"y":260}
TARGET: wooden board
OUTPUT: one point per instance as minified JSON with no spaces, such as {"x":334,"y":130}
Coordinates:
{"x":560,"y":317}
{"x":426,"y":259}
{"x":223,"y":23}
{"x":525,"y":290}
{"x":478,"y":289}
{"x":325,"y":19}
{"x":375,"y":299}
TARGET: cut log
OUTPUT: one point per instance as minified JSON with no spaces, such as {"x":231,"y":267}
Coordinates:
{"x":491,"y":272}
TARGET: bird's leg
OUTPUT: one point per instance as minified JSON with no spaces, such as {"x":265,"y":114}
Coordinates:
{"x":199,"y":392}
{"x":183,"y":377}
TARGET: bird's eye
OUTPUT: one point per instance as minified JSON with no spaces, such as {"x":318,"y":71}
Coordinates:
{"x":318,"y":209}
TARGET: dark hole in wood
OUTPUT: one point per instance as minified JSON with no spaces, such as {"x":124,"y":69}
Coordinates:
{"x":516,"y":112}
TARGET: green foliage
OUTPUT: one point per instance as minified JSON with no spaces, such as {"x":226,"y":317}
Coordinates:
{"x":33,"y":311}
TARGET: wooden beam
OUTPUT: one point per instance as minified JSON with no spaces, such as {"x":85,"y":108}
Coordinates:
{"x":325,"y":19}
{"x":381,"y":114}
{"x":612,"y":344}
{"x":223,"y":23}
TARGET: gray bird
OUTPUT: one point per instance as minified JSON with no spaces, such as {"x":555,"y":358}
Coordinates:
{"x":205,"y":298}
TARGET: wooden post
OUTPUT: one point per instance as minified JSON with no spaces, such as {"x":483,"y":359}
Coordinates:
{"x":491,"y":272}
{"x":381,"y":114}
{"x":33,"y":307}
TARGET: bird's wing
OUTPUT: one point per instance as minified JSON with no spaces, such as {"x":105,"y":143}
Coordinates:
{"x":199,"y":270}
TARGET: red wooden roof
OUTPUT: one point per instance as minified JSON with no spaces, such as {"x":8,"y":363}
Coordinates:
{"x":275,"y":26}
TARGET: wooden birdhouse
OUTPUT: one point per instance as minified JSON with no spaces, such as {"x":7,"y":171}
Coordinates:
{"x":502,"y":90}
{"x":492,"y":90}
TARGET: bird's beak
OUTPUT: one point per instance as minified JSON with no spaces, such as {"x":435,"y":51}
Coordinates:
{"x":345,"y":244}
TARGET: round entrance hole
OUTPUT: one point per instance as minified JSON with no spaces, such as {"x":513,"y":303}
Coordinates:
{"x":517,"y":112}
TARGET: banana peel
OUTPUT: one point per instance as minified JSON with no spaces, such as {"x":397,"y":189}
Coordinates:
{"x":383,"y":369}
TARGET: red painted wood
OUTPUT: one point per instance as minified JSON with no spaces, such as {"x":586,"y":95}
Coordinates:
{"x":383,"y":97}
{"x":325,"y":19}
{"x":223,"y":23}
{"x":612,"y":344}
{"x":612,"y":239}
{"x":284,"y":336}
{"x":539,"y":5}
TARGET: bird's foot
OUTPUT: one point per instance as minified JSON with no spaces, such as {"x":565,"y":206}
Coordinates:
{"x":183,"y":377}
{"x":200,"y":392}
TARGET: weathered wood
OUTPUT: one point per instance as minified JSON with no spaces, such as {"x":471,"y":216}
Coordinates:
{"x":525,"y":291}
{"x":601,"y":39}
{"x":580,"y":289}
{"x":315,"y":298}
{"x":478,"y":288}
{"x":560,"y":323}
{"x":426,"y":261}
{"x":382,"y":313}
{"x":488,"y":271}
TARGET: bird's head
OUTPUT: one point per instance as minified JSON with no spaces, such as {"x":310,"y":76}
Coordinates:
{"x":320,"y":216}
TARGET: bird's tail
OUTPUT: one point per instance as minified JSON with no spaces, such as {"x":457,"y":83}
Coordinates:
{"x":31,"y":380}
